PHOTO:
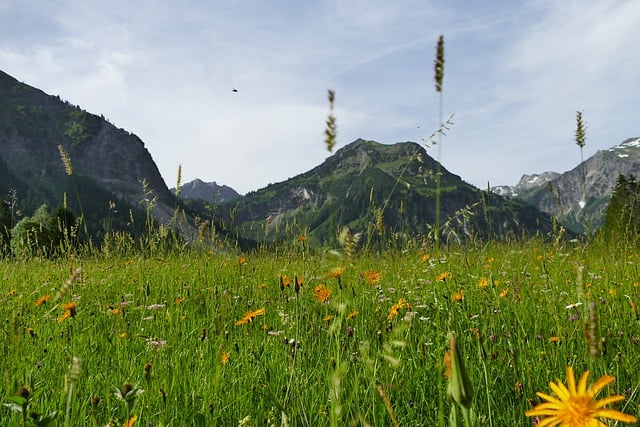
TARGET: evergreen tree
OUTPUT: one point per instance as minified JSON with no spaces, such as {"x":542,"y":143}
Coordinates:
{"x":622,"y":220}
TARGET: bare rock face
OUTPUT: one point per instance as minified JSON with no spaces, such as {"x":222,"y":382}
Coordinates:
{"x":210,"y":192}
{"x":579,"y":198}
{"x":32,"y":127}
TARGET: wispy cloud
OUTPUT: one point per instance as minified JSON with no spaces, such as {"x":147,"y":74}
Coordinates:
{"x":515,"y":73}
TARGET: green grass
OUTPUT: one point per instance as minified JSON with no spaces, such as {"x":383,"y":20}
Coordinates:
{"x":296,"y":365}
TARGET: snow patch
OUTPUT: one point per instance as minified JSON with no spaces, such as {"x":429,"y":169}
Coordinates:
{"x":623,"y":155}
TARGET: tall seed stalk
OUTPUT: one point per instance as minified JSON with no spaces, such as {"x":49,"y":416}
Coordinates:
{"x":439,"y":75}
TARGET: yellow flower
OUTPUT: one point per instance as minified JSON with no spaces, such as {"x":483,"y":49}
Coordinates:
{"x":483,"y":283}
{"x":180,"y":300}
{"x":425,"y":258}
{"x":504,"y":293}
{"x":321,"y":293}
{"x":554,"y":339}
{"x":335,"y":272}
{"x":242,"y":260}
{"x":130,"y":422}
{"x":458,"y":296}
{"x":575,"y":406}
{"x":443,"y":276}
{"x":224,"y":358}
{"x":249,"y":316}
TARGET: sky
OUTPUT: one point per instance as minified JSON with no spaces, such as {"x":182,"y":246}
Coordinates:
{"x":516,"y":72}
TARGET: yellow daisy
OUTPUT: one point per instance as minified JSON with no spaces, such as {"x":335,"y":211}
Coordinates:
{"x":576,"y":406}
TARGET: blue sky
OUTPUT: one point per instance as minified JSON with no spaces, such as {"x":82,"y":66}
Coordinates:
{"x":516,"y":72}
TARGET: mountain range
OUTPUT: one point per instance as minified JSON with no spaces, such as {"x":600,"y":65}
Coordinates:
{"x":382,"y":190}
{"x":579,"y":198}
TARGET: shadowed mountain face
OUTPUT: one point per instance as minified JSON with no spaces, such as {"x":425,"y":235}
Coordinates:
{"x":579,"y":197}
{"x":108,"y":164}
{"x":383,"y":189}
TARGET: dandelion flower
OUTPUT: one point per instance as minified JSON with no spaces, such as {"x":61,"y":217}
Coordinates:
{"x":393,"y":311}
{"x":576,"y":406}
{"x":224,"y":358}
{"x":458,"y":296}
{"x":321,"y":293}
{"x":371,"y":277}
{"x":69,"y":311}
{"x":483,"y":283}
{"x":443,"y":276}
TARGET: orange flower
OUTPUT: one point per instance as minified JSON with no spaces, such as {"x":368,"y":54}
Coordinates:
{"x":43,"y":299}
{"x":352,"y":315}
{"x":371,"y":277}
{"x":249,"y":316}
{"x":443,"y":276}
{"x":554,"y":339}
{"x":458,"y":296}
{"x":242,"y":260}
{"x":335,"y":272}
{"x":69,"y":311}
{"x":130,"y":422}
{"x":224,"y":358}
{"x":393,"y":312}
{"x":504,"y":293}
{"x":284,"y":281}
{"x":321,"y":293}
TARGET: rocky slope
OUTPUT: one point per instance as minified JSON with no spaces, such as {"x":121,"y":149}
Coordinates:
{"x":109,"y":164}
{"x":579,"y":197}
{"x":208,"y":191}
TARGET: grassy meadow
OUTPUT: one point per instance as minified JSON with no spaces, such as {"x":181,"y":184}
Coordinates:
{"x":308,"y":339}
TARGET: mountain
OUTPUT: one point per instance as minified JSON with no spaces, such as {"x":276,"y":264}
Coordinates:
{"x":526,"y":183}
{"x":379,"y":189}
{"x":109,"y":165}
{"x":208,"y":191}
{"x":579,"y":198}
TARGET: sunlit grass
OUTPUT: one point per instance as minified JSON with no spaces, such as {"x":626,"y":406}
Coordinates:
{"x":171,"y":326}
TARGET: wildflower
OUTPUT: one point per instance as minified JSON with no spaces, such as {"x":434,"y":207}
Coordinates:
{"x":442,"y":277}
{"x":130,"y":422}
{"x":574,"y":305}
{"x":504,"y":293}
{"x":371,"y":277}
{"x":321,"y":293}
{"x":284,"y":281}
{"x":242,"y":260}
{"x":425,"y":258}
{"x":156,"y":306}
{"x":249,"y":316}
{"x":352,"y":315}
{"x":43,"y":299}
{"x":335,"y":272}
{"x":554,"y":339}
{"x":224,"y":358}
{"x":483,"y":283}
{"x":11,"y":293}
{"x":65,"y":160}
{"x":576,"y":406}
{"x":393,"y":311}
{"x":328,"y":318}
{"x":180,"y":300}
{"x":122,"y":335}
{"x":458,"y":296}
{"x":69,"y":311}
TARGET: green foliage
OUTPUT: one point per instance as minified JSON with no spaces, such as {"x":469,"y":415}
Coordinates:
{"x":372,"y":353}
{"x":44,"y":233}
{"x":622,"y":220}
